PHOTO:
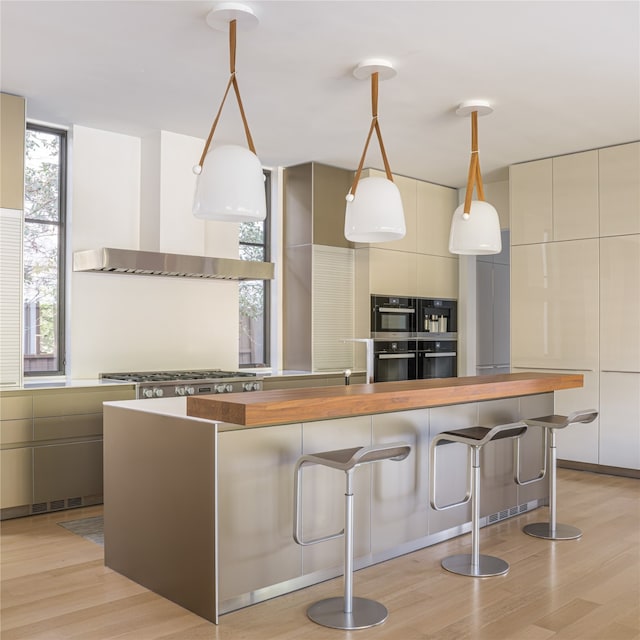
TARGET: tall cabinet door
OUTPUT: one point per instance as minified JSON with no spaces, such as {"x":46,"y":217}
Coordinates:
{"x":554,"y":293}
{"x":619,"y":182}
{"x":555,"y":313}
{"x":531,"y":202}
{"x":620,"y":351}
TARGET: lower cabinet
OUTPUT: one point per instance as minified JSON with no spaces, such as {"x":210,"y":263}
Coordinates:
{"x":620,"y":419}
{"x":51,"y":448}
{"x":16,"y":477}
{"x":67,"y":471}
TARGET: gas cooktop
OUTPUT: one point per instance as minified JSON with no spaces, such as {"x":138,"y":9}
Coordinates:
{"x":158,"y":384}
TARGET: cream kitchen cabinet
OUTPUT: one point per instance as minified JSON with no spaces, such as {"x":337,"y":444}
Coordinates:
{"x":555,"y":199}
{"x":531,"y":202}
{"x":408,"y":193}
{"x":555,"y":305}
{"x":435,"y":207}
{"x":555,"y":327}
{"x":620,"y":419}
{"x":620,"y":303}
{"x":437,"y":276}
{"x":576,"y":303}
{"x":420,"y":264}
{"x":575,"y":196}
{"x":620,"y":351}
{"x":580,"y":442}
{"x":51,"y":447}
{"x":619,"y":172}
{"x":392,"y":272}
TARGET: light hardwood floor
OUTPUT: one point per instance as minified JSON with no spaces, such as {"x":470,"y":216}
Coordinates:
{"x":55,"y":586}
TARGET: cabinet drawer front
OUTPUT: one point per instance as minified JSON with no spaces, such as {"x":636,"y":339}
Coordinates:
{"x":12,"y":431}
{"x":16,"y":485}
{"x":67,"y":471}
{"x":69,"y":402}
{"x":16,"y":407}
{"x":67,"y":427}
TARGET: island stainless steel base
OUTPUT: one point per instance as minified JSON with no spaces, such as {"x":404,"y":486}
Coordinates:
{"x":364,"y":613}
{"x":483,"y":567}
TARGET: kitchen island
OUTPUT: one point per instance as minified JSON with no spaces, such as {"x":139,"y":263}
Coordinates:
{"x":199,"y":508}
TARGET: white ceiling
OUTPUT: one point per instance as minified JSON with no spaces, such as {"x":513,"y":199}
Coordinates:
{"x":562,"y":76}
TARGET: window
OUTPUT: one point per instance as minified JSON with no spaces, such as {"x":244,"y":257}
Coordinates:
{"x":254,"y":294}
{"x":44,"y":231}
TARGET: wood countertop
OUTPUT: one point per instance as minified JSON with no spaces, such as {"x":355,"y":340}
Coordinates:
{"x":264,"y":408}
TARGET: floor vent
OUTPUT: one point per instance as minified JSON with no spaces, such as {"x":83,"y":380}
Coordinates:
{"x":74,"y":502}
{"x":507,"y":513}
{"x":55,"y":505}
{"x":39,"y":507}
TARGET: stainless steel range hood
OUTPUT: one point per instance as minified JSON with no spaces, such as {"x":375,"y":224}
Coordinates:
{"x":151,"y":263}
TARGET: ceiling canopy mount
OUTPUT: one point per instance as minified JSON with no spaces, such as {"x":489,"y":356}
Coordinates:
{"x":222,"y":14}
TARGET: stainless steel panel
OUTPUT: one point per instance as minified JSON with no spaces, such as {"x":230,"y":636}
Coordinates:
{"x":297,"y":352}
{"x":159,"y":513}
{"x":498,"y":489}
{"x":400,"y":495}
{"x":67,"y":471}
{"x":532,"y":447}
{"x":323,"y":492}
{"x":67,"y":427}
{"x":255,"y":476}
{"x":149,"y":263}
{"x":452,"y":463}
{"x":16,"y":477}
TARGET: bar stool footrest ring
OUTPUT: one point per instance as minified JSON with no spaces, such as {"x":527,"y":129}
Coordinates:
{"x":330,"y":613}
{"x":487,"y":566}
{"x":543,"y":530}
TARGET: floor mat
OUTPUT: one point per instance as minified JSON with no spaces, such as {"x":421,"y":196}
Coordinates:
{"x":89,"y":528}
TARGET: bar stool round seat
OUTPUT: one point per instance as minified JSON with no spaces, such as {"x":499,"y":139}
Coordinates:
{"x":472,"y":564}
{"x":552,"y":530}
{"x":346,"y":612}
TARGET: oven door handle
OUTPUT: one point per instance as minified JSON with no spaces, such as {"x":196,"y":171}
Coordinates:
{"x":442,"y":354}
{"x":393,"y":310}
{"x":395,"y":356}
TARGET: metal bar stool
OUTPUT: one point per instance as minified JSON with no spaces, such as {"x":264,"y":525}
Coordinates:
{"x":472,"y":564}
{"x":346,"y":612}
{"x":552,"y":530}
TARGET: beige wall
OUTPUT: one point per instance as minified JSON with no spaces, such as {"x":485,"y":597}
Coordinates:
{"x":124,"y":322}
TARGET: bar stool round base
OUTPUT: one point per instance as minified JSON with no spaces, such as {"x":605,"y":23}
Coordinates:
{"x":487,"y":566}
{"x":543,"y":530}
{"x":330,"y":613}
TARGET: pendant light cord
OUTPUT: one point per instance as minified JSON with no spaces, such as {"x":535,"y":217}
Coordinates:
{"x":374,"y":126}
{"x":475,"y":177}
{"x":232,"y":83}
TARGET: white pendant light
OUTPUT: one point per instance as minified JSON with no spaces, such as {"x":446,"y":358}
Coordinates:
{"x":230,"y":183}
{"x":475,"y":226}
{"x":374,"y":207}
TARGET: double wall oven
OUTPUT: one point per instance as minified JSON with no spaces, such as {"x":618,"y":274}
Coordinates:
{"x":413,"y":338}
